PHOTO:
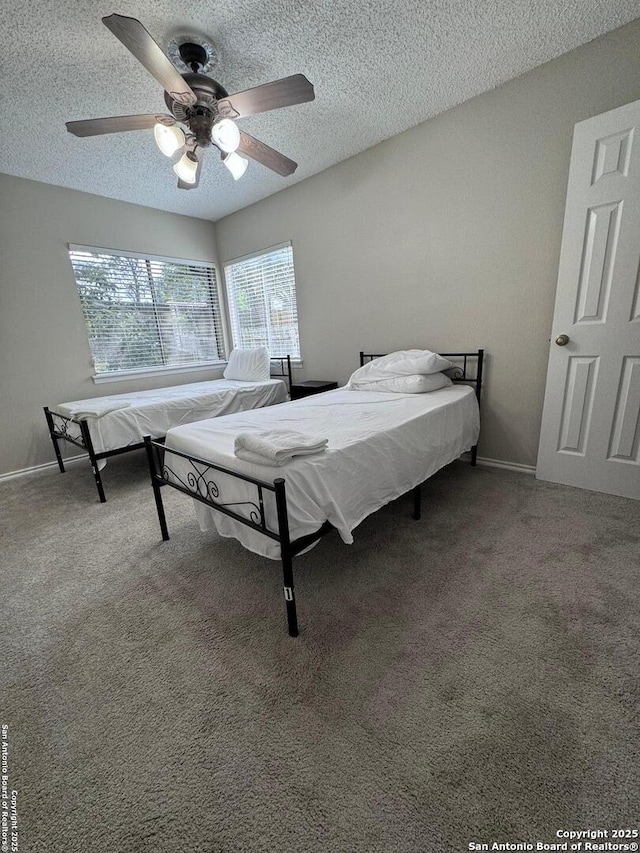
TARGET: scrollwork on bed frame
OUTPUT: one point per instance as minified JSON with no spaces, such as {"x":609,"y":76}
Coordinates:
{"x":61,"y":428}
{"x":199,"y":482}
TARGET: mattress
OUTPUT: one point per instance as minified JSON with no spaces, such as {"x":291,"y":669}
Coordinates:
{"x":119,"y":420}
{"x":381,"y":445}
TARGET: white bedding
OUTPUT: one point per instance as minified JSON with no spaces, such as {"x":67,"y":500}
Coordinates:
{"x":119,"y":420}
{"x":381,"y":445}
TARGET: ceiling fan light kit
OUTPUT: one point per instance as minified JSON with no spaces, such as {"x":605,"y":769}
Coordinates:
{"x":199,"y":103}
{"x":187,"y":168}
{"x":225,"y":135}
{"x":169,"y":139}
{"x":235,"y":164}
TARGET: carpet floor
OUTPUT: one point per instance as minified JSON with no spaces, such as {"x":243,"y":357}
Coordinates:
{"x":468,"y":678}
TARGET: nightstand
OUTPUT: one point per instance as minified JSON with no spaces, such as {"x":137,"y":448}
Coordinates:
{"x":311,"y":386}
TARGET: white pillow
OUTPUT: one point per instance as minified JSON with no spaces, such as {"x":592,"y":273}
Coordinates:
{"x":418,"y":383}
{"x":248,"y":365}
{"x":401,"y":363}
{"x":417,"y":361}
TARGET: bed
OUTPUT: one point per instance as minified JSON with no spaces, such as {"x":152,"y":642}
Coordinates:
{"x":115,"y":424}
{"x":381,"y":445}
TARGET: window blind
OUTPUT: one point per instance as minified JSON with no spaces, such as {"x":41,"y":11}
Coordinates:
{"x":261,"y":292}
{"x":145,"y":312}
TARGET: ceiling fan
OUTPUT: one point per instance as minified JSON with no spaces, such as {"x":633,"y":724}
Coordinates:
{"x":199,"y":103}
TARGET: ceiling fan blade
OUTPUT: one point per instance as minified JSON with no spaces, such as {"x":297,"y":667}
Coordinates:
{"x":269,"y":157}
{"x":142,"y":45}
{"x":270,"y":96}
{"x":183,"y":185}
{"x":117,"y":124}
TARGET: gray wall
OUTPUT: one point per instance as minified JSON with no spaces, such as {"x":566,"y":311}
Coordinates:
{"x":44,"y":353}
{"x":448,"y":235}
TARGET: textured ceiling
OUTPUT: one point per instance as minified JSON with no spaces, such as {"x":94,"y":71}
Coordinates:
{"x":378,"y":68}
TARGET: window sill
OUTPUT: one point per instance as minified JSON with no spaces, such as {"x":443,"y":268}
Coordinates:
{"x":128,"y":375}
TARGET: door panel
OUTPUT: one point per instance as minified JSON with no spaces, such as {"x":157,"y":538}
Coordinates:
{"x":612,"y":156}
{"x":578,"y":404}
{"x":624,"y":445}
{"x":600,"y":243}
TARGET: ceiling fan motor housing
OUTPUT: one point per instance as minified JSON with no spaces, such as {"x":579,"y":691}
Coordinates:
{"x":201,"y":116}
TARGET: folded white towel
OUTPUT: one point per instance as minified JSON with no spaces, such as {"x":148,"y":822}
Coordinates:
{"x":96,"y":410}
{"x":275,"y":447}
{"x":248,"y":456}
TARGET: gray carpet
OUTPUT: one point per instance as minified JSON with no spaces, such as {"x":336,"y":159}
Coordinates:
{"x":471,"y":677}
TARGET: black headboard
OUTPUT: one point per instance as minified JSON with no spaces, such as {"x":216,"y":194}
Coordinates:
{"x":282,"y":367}
{"x":460,"y":373}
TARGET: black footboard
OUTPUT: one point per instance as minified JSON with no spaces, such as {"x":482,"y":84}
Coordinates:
{"x":65,"y":428}
{"x":199,"y":482}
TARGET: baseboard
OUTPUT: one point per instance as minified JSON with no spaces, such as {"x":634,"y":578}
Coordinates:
{"x":482,"y":460}
{"x":34,"y":469}
{"x":507,"y":466}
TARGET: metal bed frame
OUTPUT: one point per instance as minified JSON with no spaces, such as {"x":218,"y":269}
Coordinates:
{"x":60,"y":425}
{"x":199,"y":483}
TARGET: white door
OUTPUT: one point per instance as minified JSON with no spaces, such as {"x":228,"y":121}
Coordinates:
{"x":591,"y":420}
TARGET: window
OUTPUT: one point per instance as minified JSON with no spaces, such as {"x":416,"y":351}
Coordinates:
{"x":146,"y":312}
{"x":261,"y":292}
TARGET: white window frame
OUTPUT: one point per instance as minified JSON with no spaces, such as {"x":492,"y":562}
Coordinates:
{"x":163,"y":370}
{"x":295,"y":360}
